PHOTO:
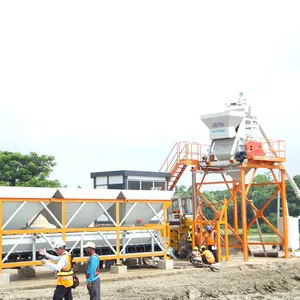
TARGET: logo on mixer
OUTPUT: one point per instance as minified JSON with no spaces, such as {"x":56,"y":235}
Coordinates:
{"x":218,"y":130}
{"x":218,"y":124}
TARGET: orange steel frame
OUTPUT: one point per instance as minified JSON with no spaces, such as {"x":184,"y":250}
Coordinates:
{"x":192,"y":154}
{"x":65,"y":230}
{"x":241,"y":188}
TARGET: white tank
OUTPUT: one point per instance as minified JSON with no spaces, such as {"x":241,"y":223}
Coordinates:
{"x":293,"y":232}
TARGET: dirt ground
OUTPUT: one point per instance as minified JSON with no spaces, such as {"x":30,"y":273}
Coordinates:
{"x":259,"y":279}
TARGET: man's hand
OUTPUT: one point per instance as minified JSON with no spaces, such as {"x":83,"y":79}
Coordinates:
{"x":43,"y":252}
{"x":44,"y":261}
{"x":88,"y":285}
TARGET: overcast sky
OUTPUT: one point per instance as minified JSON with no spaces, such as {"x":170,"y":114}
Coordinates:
{"x":110,"y":85}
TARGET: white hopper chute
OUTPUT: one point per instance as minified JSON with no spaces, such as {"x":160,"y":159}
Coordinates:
{"x":16,"y":214}
{"x":141,"y":211}
{"x":223,"y":128}
{"x":83,"y":213}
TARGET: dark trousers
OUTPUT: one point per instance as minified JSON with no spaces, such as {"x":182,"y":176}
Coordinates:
{"x":214,"y":252}
{"x":94,"y":291}
{"x":62,"y":292}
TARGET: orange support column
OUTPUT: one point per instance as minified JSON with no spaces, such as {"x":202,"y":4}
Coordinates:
{"x":166,"y":205}
{"x":63,"y":219}
{"x":219,"y":240}
{"x":235,"y":208}
{"x":244,"y":213}
{"x":226,"y":230}
{"x":118,"y":231}
{"x":284,"y":215}
{"x":1,"y":212}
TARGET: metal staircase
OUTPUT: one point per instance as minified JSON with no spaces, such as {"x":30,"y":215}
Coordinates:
{"x":183,"y":154}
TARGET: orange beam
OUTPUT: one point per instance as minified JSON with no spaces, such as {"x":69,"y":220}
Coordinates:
{"x":235,"y":233}
{"x":227,"y":183}
{"x":118,"y":232}
{"x":165,"y":232}
{"x":244,"y":213}
{"x":216,"y":182}
{"x":250,"y":182}
{"x":269,"y":200}
{"x":262,"y":184}
{"x":208,"y":202}
{"x":80,"y":200}
{"x":265,"y":243}
{"x":235,"y":207}
{"x":83,"y":259}
{"x":284,"y":214}
{"x":1,"y":221}
{"x":88,"y":229}
{"x":260,"y":166}
{"x":272,"y":227}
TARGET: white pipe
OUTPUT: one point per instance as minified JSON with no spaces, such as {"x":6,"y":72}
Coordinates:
{"x":81,"y":246}
{"x":33,"y":248}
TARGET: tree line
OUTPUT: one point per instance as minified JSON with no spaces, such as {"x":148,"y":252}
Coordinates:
{"x":258,"y":194}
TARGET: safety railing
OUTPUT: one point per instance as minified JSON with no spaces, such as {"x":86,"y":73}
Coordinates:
{"x":184,"y":152}
{"x":259,"y":148}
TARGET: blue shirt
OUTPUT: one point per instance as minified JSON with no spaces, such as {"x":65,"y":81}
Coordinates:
{"x":93,"y":264}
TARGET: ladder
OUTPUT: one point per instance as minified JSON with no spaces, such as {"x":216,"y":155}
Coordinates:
{"x":183,"y":154}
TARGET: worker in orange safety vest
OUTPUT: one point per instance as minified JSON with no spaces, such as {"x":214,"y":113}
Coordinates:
{"x":211,"y":241}
{"x":63,"y":268}
{"x":207,"y":257}
{"x":198,"y":237}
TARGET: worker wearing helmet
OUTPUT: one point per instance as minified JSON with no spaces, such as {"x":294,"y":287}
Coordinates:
{"x":198,"y":237}
{"x":195,"y":255}
{"x":211,"y":241}
{"x":207,"y":257}
{"x":188,"y":238}
{"x":195,"y":251}
{"x":92,"y":271}
{"x":190,"y":234}
{"x":64,"y":269}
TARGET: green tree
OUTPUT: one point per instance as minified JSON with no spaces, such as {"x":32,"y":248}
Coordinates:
{"x":27,"y":170}
{"x":293,"y":201}
{"x":181,"y":190}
